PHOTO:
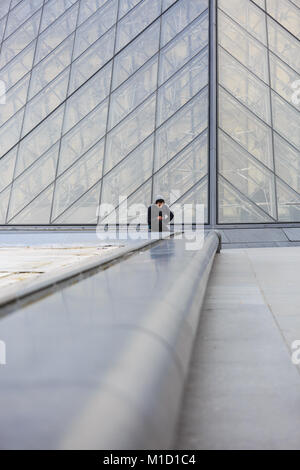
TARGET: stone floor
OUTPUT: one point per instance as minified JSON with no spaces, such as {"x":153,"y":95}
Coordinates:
{"x":243,"y":391}
{"x":22,"y":263}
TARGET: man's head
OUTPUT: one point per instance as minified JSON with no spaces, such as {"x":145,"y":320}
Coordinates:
{"x":159,"y":201}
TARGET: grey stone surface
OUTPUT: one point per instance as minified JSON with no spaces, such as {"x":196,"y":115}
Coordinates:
{"x":293,"y":234}
{"x":243,"y":235}
{"x":243,"y":391}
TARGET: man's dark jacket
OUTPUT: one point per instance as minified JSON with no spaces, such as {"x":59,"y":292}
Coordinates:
{"x":156,"y":225}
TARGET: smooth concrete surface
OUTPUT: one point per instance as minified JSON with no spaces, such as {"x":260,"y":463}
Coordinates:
{"x":102,"y":363}
{"x":243,"y":391}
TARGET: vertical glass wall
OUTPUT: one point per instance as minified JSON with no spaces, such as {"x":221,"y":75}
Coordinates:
{"x":104,"y":98}
{"x":259,"y":103}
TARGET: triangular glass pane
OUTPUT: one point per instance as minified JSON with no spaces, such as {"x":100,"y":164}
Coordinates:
{"x":7,"y":165}
{"x":288,"y":203}
{"x":33,"y":181}
{"x":37,"y":212}
{"x":136,"y":54}
{"x":198,"y":195}
{"x":234,"y":208}
{"x":83,"y":136}
{"x":39,"y":140}
{"x":182,"y":87}
{"x":4,"y":197}
{"x":137,"y":20}
{"x":246,"y":174}
{"x":76,"y":181}
{"x":83,"y":211}
{"x":244,"y":86}
{"x":181,"y":129}
{"x":242,"y":126}
{"x":20,"y":14}
{"x":95,"y":27}
{"x":126,"y":177}
{"x":247,"y":15}
{"x":179,"y":51}
{"x":183,"y":171}
{"x":135,"y":209}
{"x":287,"y":162}
{"x":178,"y":17}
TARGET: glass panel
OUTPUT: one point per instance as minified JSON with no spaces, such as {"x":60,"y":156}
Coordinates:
{"x":137,"y":20}
{"x":20,"y":39}
{"x":56,"y":33}
{"x":83,"y":136}
{"x":130,"y":133}
{"x":234,"y":208}
{"x":183,"y":48}
{"x":284,"y":45}
{"x":245,"y":128}
{"x":287,"y":162}
{"x":181,"y":129}
{"x":7,"y":165}
{"x":33,"y":181}
{"x":247,"y":15}
{"x":4,"y":198}
{"x":95,"y":27}
{"x":288,"y":203}
{"x":44,"y":103}
{"x":246,"y":174}
{"x":83,"y":211}
{"x":51,"y":66}
{"x":296,"y":2}
{"x":15,"y":99}
{"x":88,"y":7}
{"x":77,"y":180}
{"x":282,"y":78}
{"x":244,"y":86}
{"x":92,"y":60}
{"x":136,"y":54}
{"x":87,"y":97}
{"x":243,"y":47}
{"x":10,"y":132}
{"x":15,"y":3}
{"x":20,"y":14}
{"x":167,"y":3}
{"x":197,"y":195}
{"x":38,"y":211}
{"x":2,"y":26}
{"x":126,"y":5}
{"x":39,"y":140}
{"x":126,"y":177}
{"x":182,"y":86}
{"x":53,"y":9}
{"x":142,"y":197}
{"x":261,"y":3}
{"x":4,"y":7}
{"x":178,"y":17}
{"x":18,"y":67}
{"x":286,"y":14}
{"x":126,"y":98}
{"x":183,"y":171}
{"x":286,"y":120}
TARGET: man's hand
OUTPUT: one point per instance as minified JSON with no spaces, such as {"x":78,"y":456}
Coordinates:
{"x":159,"y":217}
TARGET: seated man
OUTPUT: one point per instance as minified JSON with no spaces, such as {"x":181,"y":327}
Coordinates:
{"x":159,"y":216}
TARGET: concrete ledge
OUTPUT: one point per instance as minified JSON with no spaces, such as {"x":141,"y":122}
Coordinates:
{"x":141,"y":408}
